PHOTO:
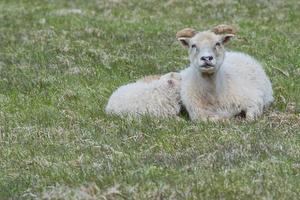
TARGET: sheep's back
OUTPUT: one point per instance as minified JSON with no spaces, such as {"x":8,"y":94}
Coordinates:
{"x":244,"y":77}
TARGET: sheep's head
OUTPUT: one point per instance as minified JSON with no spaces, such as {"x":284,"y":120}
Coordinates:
{"x":206,"y":49}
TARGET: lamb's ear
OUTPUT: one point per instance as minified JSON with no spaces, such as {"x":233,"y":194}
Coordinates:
{"x":184,"y":36}
{"x":171,"y":83}
{"x":226,"y":38}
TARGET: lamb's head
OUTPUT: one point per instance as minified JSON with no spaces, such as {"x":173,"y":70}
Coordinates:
{"x":206,"y":49}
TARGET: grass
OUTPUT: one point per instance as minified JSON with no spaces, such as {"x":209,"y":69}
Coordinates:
{"x":59,"y":62}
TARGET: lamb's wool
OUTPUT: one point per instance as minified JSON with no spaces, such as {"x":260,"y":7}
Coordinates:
{"x":160,"y":98}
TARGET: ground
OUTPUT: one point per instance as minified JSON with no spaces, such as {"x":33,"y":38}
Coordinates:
{"x":60,"y":61}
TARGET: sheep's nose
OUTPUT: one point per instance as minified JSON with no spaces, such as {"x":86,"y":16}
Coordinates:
{"x":206,"y":58}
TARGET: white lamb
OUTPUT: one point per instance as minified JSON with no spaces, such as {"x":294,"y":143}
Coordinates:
{"x":152,"y":95}
{"x":218,"y":84}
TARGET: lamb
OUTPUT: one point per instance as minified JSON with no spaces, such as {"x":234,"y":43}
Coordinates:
{"x":157,"y":96}
{"x":218,"y":84}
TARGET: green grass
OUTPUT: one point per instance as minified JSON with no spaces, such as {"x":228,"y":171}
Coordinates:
{"x":58,"y":69}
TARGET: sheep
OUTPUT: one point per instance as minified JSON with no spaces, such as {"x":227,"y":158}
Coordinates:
{"x":218,"y":84}
{"x":157,"y":96}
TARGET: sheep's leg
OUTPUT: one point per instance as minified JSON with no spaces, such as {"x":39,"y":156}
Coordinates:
{"x":197,"y":111}
{"x":253,"y":111}
{"x":207,"y":114}
{"x":221,"y":115}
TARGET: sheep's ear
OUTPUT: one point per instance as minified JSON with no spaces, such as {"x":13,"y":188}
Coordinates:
{"x":184,"y":41}
{"x":226,"y":38}
{"x":184,"y":36}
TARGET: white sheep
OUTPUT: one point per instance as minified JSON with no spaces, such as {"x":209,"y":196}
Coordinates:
{"x":153,"y":95}
{"x":218,"y":84}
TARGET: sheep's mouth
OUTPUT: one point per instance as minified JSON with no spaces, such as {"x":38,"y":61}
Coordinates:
{"x":207,"y":66}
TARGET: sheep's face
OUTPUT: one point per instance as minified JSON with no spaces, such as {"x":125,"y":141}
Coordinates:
{"x":206,"y":49}
{"x":206,"y":52}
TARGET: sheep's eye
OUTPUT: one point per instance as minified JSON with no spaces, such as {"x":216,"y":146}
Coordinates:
{"x":218,"y":44}
{"x":193,"y":46}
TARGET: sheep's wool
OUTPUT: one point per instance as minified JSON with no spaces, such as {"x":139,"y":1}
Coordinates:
{"x":160,"y":98}
{"x":240,"y":85}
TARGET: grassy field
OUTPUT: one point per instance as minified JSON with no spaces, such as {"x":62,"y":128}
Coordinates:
{"x":59,"y":62}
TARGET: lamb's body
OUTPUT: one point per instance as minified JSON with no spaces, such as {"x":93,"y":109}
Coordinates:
{"x":239,"y":85}
{"x":160,"y":98}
